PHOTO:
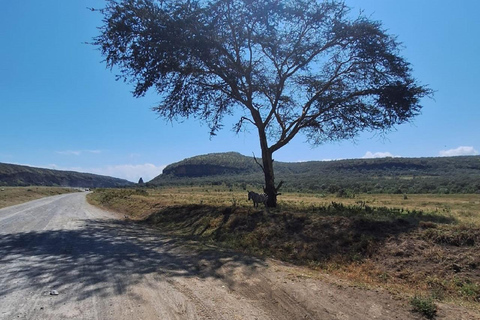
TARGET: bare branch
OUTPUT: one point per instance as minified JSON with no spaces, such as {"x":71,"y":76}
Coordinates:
{"x":279,"y":186}
{"x":256,"y":161}
{"x":239,"y":124}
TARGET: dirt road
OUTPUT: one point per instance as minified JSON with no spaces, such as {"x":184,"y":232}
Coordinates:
{"x":105,"y":268}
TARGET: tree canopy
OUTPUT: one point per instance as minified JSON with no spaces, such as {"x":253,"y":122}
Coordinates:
{"x":288,"y":66}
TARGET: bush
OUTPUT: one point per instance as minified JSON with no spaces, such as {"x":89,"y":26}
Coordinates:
{"x":424,"y":306}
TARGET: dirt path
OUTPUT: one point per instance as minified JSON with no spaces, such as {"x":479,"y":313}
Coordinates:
{"x":106,"y":268}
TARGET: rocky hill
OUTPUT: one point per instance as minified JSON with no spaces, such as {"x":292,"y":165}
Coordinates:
{"x":386,"y":175}
{"x":212,"y":164}
{"x":16,"y":175}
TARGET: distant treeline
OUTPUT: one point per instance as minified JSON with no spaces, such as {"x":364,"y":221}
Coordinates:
{"x":343,"y":177}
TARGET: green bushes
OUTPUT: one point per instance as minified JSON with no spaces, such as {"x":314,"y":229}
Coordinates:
{"x":446,"y":175}
{"x":424,"y":306}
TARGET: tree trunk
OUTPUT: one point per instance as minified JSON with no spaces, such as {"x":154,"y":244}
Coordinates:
{"x":267,"y":166}
{"x":269,"y":189}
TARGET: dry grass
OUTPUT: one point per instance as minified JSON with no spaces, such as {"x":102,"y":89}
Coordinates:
{"x":465,"y":208}
{"x":423,"y":245}
{"x":10,"y":196}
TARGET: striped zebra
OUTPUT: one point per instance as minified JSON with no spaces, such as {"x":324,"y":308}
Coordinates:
{"x":257,"y":198}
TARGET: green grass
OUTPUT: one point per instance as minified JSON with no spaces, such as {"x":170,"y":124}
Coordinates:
{"x":468,"y":289}
{"x":425,"y":306}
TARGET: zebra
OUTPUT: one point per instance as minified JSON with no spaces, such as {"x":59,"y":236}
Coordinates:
{"x":257,"y":198}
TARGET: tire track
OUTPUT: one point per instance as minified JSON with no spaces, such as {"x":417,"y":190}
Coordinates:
{"x":203,"y":311}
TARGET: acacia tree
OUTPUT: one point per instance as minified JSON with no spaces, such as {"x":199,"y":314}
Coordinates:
{"x":288,"y":67}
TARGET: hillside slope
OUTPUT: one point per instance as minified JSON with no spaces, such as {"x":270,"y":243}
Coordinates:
{"x":17,"y":175}
{"x":386,"y":175}
{"x":212,"y":164}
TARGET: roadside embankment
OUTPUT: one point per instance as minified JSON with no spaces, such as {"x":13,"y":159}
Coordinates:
{"x":407,"y":251}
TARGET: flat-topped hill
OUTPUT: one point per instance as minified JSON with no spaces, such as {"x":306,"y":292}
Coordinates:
{"x":385,"y":175}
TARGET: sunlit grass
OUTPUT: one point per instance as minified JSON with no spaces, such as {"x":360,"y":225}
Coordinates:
{"x":10,"y":196}
{"x":463,"y":207}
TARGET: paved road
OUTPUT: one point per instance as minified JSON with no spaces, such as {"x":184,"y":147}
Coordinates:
{"x":105,"y":268}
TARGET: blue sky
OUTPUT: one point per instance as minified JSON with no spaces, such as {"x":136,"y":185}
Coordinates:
{"x":61,"y":108}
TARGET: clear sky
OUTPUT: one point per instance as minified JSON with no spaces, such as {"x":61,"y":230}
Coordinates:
{"x":61,"y":108}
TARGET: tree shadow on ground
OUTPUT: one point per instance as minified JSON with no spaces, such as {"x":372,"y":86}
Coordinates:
{"x":103,"y":252}
{"x":334,"y":231}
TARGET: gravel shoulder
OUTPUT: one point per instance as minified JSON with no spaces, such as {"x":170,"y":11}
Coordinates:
{"x":103,"y":267}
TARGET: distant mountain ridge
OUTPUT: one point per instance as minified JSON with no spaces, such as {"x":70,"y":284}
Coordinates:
{"x":18,"y":175}
{"x":385,"y":175}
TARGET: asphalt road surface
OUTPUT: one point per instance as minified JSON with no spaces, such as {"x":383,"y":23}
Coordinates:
{"x":61,"y":258}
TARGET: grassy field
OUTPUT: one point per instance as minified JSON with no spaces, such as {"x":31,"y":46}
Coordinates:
{"x":10,"y":196}
{"x":463,"y":208}
{"x":423,"y":246}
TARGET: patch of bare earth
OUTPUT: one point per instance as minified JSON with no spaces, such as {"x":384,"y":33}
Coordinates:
{"x":278,"y":290}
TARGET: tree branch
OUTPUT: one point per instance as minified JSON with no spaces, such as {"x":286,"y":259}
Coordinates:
{"x":254,"y":158}
{"x":278,"y":188}
{"x":289,"y":132}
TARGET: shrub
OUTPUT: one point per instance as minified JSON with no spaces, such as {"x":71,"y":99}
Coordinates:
{"x":424,"y":306}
